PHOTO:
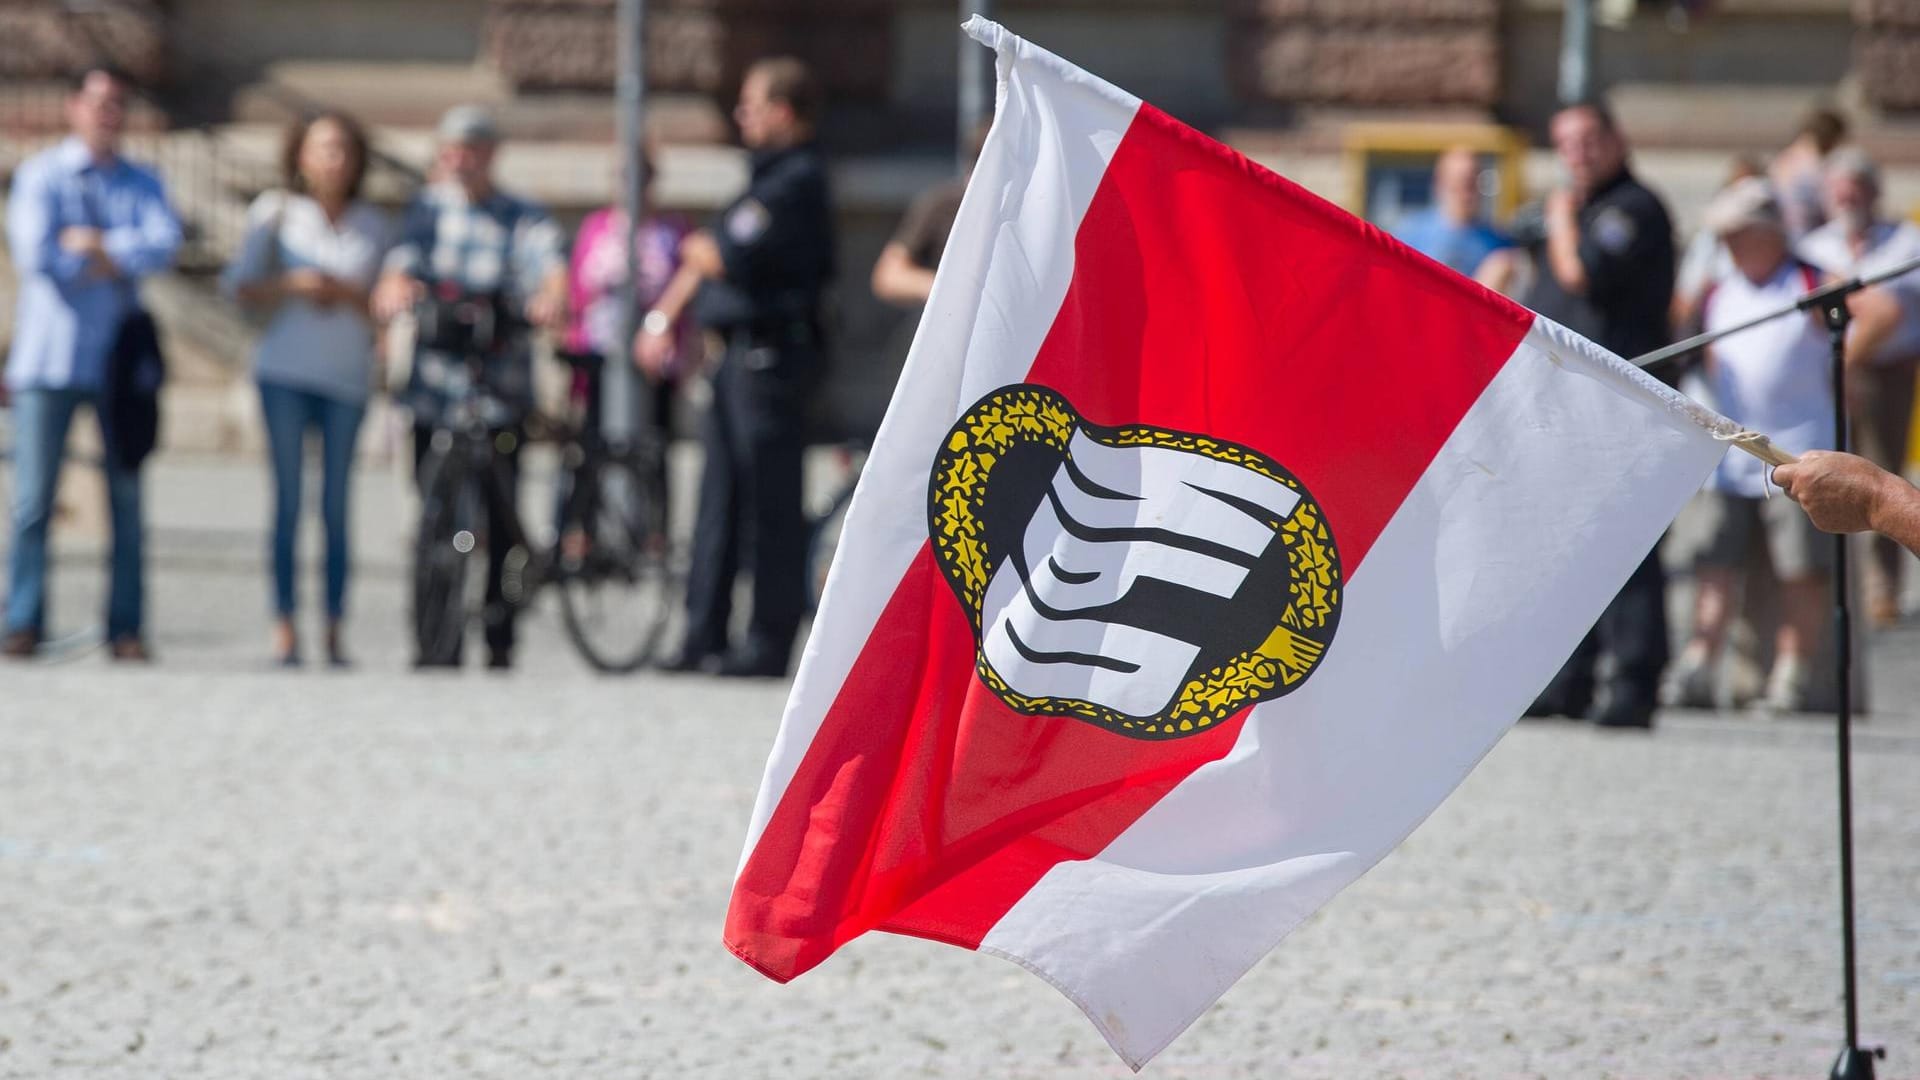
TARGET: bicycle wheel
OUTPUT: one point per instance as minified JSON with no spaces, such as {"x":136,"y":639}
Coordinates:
{"x":823,"y":530}
{"x":610,"y":563}
{"x":823,"y":539}
{"x":449,"y":518}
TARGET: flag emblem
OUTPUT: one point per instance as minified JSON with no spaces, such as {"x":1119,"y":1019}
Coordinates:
{"x":1148,"y":581}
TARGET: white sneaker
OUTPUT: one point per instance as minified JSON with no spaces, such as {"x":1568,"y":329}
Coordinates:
{"x":1688,"y":684}
{"x":1786,"y":687}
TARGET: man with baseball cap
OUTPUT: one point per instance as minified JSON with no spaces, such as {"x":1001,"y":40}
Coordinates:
{"x":465,"y":235}
{"x":1773,"y":378}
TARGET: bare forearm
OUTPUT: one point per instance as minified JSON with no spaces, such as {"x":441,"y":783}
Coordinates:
{"x":908,"y":285}
{"x":1896,"y":513}
{"x":1846,"y":493}
{"x":1563,"y":259}
{"x":356,"y":299}
{"x":262,"y":293}
{"x":897,"y":279}
{"x":1876,"y":315}
{"x":1497,"y":270}
{"x":679,"y":292}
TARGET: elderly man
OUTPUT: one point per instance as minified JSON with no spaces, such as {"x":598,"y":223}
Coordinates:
{"x":1452,"y":230}
{"x":463,"y":233}
{"x":84,"y":225}
{"x":1883,"y":348}
{"x":1773,"y":378}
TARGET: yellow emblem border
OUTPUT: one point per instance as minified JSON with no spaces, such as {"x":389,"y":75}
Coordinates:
{"x":1026,"y":413}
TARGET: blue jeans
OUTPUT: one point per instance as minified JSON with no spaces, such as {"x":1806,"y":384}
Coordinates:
{"x":41,"y":418}
{"x":289,"y":413}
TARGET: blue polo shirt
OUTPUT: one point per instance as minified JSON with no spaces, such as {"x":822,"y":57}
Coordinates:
{"x":1461,"y":248}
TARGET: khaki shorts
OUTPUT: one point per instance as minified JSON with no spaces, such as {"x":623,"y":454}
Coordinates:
{"x":1797,"y":550}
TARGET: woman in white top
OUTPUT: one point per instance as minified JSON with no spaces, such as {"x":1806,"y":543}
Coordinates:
{"x":1772,"y":378}
{"x":309,"y":258}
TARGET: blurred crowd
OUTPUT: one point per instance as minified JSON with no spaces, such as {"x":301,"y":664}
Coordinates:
{"x":738,"y":302}
{"x":1599,"y":255}
{"x":477,"y":273}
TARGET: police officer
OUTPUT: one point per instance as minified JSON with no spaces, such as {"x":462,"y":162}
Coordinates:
{"x":756,"y":280}
{"x":1604,"y":267}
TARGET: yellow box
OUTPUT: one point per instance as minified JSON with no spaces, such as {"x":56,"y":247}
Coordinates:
{"x":1373,"y":150}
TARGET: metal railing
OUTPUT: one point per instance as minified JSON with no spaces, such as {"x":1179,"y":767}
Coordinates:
{"x":209,"y":181}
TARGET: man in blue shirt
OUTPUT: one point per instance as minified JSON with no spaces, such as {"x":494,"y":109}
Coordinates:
{"x":84,"y":225}
{"x":1451,"y":231}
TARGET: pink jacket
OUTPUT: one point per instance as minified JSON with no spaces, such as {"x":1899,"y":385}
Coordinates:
{"x":598,"y":271}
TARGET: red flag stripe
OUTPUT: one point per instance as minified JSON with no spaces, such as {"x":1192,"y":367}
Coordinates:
{"x":1208,"y":295}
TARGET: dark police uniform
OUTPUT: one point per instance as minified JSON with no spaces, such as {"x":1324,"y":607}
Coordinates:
{"x":777,"y":244}
{"x":1626,"y":246}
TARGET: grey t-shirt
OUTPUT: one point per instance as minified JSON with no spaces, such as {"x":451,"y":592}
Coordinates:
{"x":307,"y":347}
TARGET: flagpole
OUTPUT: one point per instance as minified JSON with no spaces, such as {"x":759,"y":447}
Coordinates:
{"x":618,"y":418}
{"x":1830,"y":302}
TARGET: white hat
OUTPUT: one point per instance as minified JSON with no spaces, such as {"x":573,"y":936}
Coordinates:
{"x":1743,"y":204}
{"x":468,"y":124}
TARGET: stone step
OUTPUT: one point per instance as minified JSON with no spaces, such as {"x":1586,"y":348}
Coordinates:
{"x":1751,"y":119}
{"x":565,"y":175}
{"x":414,"y":95}
{"x":392,"y":93}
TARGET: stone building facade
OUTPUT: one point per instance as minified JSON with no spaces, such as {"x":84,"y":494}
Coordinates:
{"x":1274,"y":65}
{"x":1282,"y":79}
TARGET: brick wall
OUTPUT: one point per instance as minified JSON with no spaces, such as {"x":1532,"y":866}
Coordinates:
{"x":1887,"y":51}
{"x":692,"y":45}
{"x":1365,"y":52}
{"x":39,"y":41}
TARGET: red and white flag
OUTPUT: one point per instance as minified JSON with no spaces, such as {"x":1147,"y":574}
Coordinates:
{"x":1210,"y":540}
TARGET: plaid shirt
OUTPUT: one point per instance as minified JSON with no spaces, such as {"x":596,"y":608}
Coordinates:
{"x":501,"y":243}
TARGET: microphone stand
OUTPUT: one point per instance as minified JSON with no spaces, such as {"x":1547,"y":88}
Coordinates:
{"x":1830,"y":302}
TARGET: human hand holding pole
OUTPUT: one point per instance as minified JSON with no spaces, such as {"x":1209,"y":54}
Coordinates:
{"x":1843,"y":493}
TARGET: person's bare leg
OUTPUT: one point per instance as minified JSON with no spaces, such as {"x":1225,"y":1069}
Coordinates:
{"x":1712,"y":609}
{"x":1689,"y":682}
{"x":1803,"y":609}
{"x":286,"y":643}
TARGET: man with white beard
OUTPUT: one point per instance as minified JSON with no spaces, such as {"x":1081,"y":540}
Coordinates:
{"x":1883,"y":346}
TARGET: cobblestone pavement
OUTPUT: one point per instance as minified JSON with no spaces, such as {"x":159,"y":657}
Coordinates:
{"x":209,"y":868}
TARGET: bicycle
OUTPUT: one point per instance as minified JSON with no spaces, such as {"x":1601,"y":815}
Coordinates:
{"x":609,"y":555}
{"x":823,"y":528}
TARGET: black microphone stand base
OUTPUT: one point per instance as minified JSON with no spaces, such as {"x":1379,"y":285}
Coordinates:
{"x":1856,"y":1063}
